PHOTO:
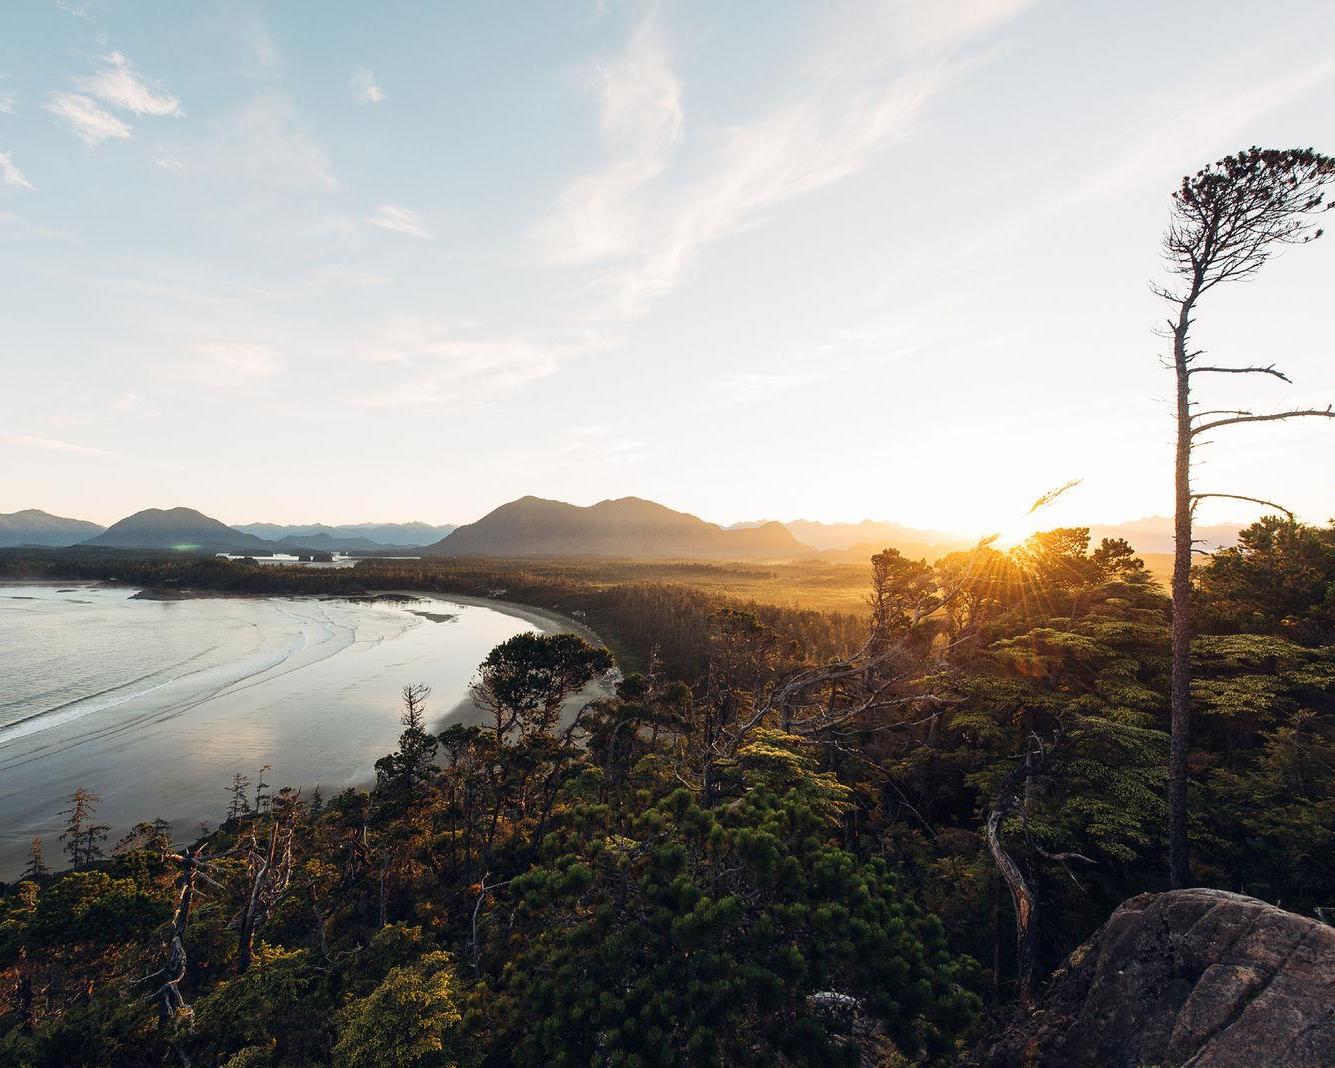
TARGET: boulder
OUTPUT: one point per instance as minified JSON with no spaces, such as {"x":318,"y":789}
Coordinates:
{"x":1202,"y":978}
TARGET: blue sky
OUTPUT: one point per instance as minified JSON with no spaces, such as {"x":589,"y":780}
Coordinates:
{"x":345,"y":262}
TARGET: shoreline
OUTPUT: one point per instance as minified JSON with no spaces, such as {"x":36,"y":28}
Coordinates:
{"x":545,"y":620}
{"x":461,"y":710}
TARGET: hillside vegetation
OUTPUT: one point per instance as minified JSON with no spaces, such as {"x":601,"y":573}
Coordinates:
{"x":775,"y":853}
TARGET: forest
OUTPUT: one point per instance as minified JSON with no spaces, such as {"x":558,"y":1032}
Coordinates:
{"x":790,"y":838}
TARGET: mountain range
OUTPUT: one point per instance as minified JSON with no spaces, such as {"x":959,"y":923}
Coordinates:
{"x":630,"y":526}
{"x":535,"y":527}
{"x":368,"y":535}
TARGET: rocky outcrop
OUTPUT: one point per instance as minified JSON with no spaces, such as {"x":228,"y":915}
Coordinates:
{"x":1198,"y":978}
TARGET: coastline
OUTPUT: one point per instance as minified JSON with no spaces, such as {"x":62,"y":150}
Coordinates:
{"x":546,"y":622}
{"x":455,"y":703}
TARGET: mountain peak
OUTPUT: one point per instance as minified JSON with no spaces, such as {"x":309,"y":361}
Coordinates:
{"x":621,"y":527}
{"x":32,"y":526}
{"x":175,"y":528}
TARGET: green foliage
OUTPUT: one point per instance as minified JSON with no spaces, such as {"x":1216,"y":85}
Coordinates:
{"x":278,"y":1005}
{"x":711,"y":936}
{"x":104,"y":1031}
{"x":525,"y":680}
{"x":91,"y":906}
{"x":1278,"y":579}
{"x":1283,"y":801}
{"x":411,"y":1020}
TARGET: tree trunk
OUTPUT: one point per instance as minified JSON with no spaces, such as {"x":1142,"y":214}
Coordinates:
{"x":1026,"y":913}
{"x":23,"y":995}
{"x":1178,"y":856}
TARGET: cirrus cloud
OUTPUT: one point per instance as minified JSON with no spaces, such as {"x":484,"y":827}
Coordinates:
{"x":399,"y":219}
{"x":11,"y":174}
{"x":91,"y":123}
{"x":53,"y":445}
{"x":121,"y":86}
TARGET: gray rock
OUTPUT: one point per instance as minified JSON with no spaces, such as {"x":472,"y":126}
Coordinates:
{"x":1199,"y":978}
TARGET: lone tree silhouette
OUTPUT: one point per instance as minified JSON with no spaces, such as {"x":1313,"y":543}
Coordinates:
{"x":1228,"y":219}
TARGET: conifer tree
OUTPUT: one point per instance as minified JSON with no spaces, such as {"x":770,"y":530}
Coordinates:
{"x":1228,"y":219}
{"x":36,"y":870}
{"x":240,"y":804}
{"x":83,"y":839}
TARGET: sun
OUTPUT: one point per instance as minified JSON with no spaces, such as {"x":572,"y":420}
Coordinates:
{"x":1015,"y":531}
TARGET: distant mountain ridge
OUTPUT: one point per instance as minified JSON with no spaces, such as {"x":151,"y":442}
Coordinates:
{"x":372,"y":535}
{"x":847,"y":535}
{"x":177,"y":528}
{"x":1154,"y":534}
{"x":32,"y":526}
{"x":534,"y":526}
{"x":857,"y":541}
{"x":628,"y":527}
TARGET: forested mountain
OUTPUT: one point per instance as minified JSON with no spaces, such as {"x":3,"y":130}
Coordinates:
{"x":32,"y":526}
{"x":374,"y":535}
{"x":629,"y":527}
{"x":176,"y":528}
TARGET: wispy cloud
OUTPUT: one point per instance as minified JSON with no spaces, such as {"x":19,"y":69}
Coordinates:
{"x":118,"y":83}
{"x":1187,"y":127}
{"x":11,"y":174}
{"x":864,"y":88}
{"x":91,"y":123}
{"x":757,"y":385}
{"x":846,"y":355}
{"x":365,"y":88}
{"x":8,"y":98}
{"x":168,"y":162}
{"x":266,"y":142}
{"x":82,"y":9}
{"x":427,"y":363}
{"x":9,"y":219}
{"x":53,"y":445}
{"x":399,"y":219}
{"x":640,"y":120}
{"x":1160,"y":137}
{"x":255,"y":361}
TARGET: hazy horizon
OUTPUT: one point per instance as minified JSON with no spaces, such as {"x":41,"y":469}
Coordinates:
{"x":875,"y":260}
{"x":1040,"y":522}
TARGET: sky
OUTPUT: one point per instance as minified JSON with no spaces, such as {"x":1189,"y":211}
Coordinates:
{"x":348,"y":262}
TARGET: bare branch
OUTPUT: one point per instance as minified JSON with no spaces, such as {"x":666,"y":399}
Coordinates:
{"x":1297,"y":413}
{"x":1238,"y":497}
{"x":1221,"y":411}
{"x":1269,"y":370}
